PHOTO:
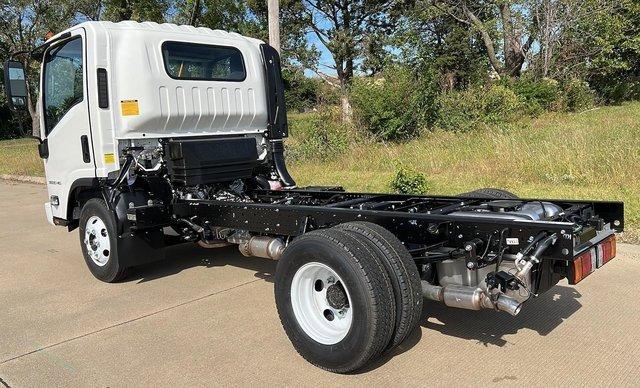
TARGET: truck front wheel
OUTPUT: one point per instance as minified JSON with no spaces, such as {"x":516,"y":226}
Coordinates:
{"x":98,"y":239}
{"x":335,"y":300}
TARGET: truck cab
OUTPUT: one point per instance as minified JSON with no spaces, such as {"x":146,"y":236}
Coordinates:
{"x":106,"y":86}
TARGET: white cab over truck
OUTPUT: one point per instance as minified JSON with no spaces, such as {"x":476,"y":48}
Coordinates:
{"x":154,"y":135}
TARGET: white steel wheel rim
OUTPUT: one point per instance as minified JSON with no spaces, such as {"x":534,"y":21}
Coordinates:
{"x":325,"y":323}
{"x":96,"y":240}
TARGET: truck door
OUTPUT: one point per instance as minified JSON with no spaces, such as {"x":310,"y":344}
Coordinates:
{"x":65,"y":119}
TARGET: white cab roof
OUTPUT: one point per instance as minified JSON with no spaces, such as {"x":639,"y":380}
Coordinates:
{"x":165,"y":28}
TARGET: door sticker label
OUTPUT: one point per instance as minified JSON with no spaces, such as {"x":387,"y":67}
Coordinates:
{"x":109,"y":159}
{"x":129,"y":107}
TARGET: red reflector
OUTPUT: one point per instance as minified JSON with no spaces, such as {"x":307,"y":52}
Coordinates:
{"x":588,"y":261}
{"x":606,"y":251}
{"x":575,"y":271}
{"x":609,"y":249}
{"x":582,"y":266}
{"x":594,"y":258}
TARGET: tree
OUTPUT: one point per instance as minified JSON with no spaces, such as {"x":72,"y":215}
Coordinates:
{"x":432,"y":42}
{"x":342,"y":26}
{"x":375,"y":56}
{"x":573,"y":34}
{"x":603,"y":47}
{"x":249,"y":17}
{"x":119,"y":10}
{"x":513,"y":21}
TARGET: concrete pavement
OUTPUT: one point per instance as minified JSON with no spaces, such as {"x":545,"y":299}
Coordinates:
{"x":207,"y":317}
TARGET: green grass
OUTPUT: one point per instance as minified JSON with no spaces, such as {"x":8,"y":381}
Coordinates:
{"x":20,"y":157}
{"x":592,"y":155}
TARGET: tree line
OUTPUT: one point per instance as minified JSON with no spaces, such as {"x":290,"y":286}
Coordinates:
{"x":437,"y":46}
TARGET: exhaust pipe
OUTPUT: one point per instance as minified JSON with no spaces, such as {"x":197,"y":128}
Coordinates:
{"x":213,"y":244}
{"x":469,"y":298}
{"x":508,"y":304}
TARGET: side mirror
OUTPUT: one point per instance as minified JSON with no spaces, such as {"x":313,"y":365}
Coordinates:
{"x":43,"y":148}
{"x":15,"y":84}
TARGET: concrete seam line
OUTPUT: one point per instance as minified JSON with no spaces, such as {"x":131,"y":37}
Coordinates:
{"x":23,"y":178}
{"x":128,"y":321}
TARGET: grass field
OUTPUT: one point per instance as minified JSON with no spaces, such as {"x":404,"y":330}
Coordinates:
{"x":20,"y":157}
{"x":592,"y":155}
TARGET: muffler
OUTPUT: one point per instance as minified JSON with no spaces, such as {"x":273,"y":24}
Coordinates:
{"x":259,"y":246}
{"x":469,"y":298}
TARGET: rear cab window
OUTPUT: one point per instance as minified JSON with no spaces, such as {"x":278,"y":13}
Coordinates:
{"x":193,"y":61}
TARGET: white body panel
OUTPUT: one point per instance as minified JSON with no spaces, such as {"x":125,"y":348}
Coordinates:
{"x":131,"y":53}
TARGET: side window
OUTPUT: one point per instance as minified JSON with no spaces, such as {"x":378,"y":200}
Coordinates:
{"x":63,"y":81}
{"x":194,"y":61}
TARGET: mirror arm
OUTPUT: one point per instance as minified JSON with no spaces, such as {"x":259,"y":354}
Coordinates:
{"x":13,"y":55}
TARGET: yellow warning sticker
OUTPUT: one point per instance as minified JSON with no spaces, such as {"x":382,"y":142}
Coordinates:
{"x":109,"y":159}
{"x":129,"y":107}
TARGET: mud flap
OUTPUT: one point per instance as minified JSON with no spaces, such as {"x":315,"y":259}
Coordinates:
{"x":141,"y":247}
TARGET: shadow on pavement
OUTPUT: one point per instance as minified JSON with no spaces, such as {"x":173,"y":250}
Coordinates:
{"x":411,"y":341}
{"x":185,"y":256}
{"x":486,"y":327}
{"x":542,"y":314}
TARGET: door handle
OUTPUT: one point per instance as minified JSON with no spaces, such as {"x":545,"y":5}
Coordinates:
{"x":86,"y":154}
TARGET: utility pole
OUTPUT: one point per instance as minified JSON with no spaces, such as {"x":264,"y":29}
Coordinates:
{"x":273,"y":7}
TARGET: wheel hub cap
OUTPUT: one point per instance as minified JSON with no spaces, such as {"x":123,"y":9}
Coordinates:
{"x":336,"y":296}
{"x":321,"y":303}
{"x":96,"y":240}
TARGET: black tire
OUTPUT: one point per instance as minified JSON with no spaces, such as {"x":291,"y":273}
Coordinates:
{"x":489,"y":193}
{"x":370,"y":296}
{"x":111,"y":271}
{"x":402,"y":272}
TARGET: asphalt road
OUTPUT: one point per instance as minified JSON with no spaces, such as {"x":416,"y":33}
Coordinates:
{"x":207,"y":317}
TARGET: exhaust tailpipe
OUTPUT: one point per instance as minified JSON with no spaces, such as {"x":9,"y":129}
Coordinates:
{"x":469,"y":298}
{"x":508,"y":304}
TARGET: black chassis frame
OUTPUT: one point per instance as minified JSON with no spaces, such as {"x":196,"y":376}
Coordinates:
{"x":429,"y":228}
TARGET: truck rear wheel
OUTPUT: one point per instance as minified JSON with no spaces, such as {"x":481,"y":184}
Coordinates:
{"x":98,"y":239}
{"x":402,"y":272}
{"x":335,"y":300}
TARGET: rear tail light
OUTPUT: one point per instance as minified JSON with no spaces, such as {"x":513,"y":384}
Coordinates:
{"x":606,"y":250}
{"x":595,"y":257}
